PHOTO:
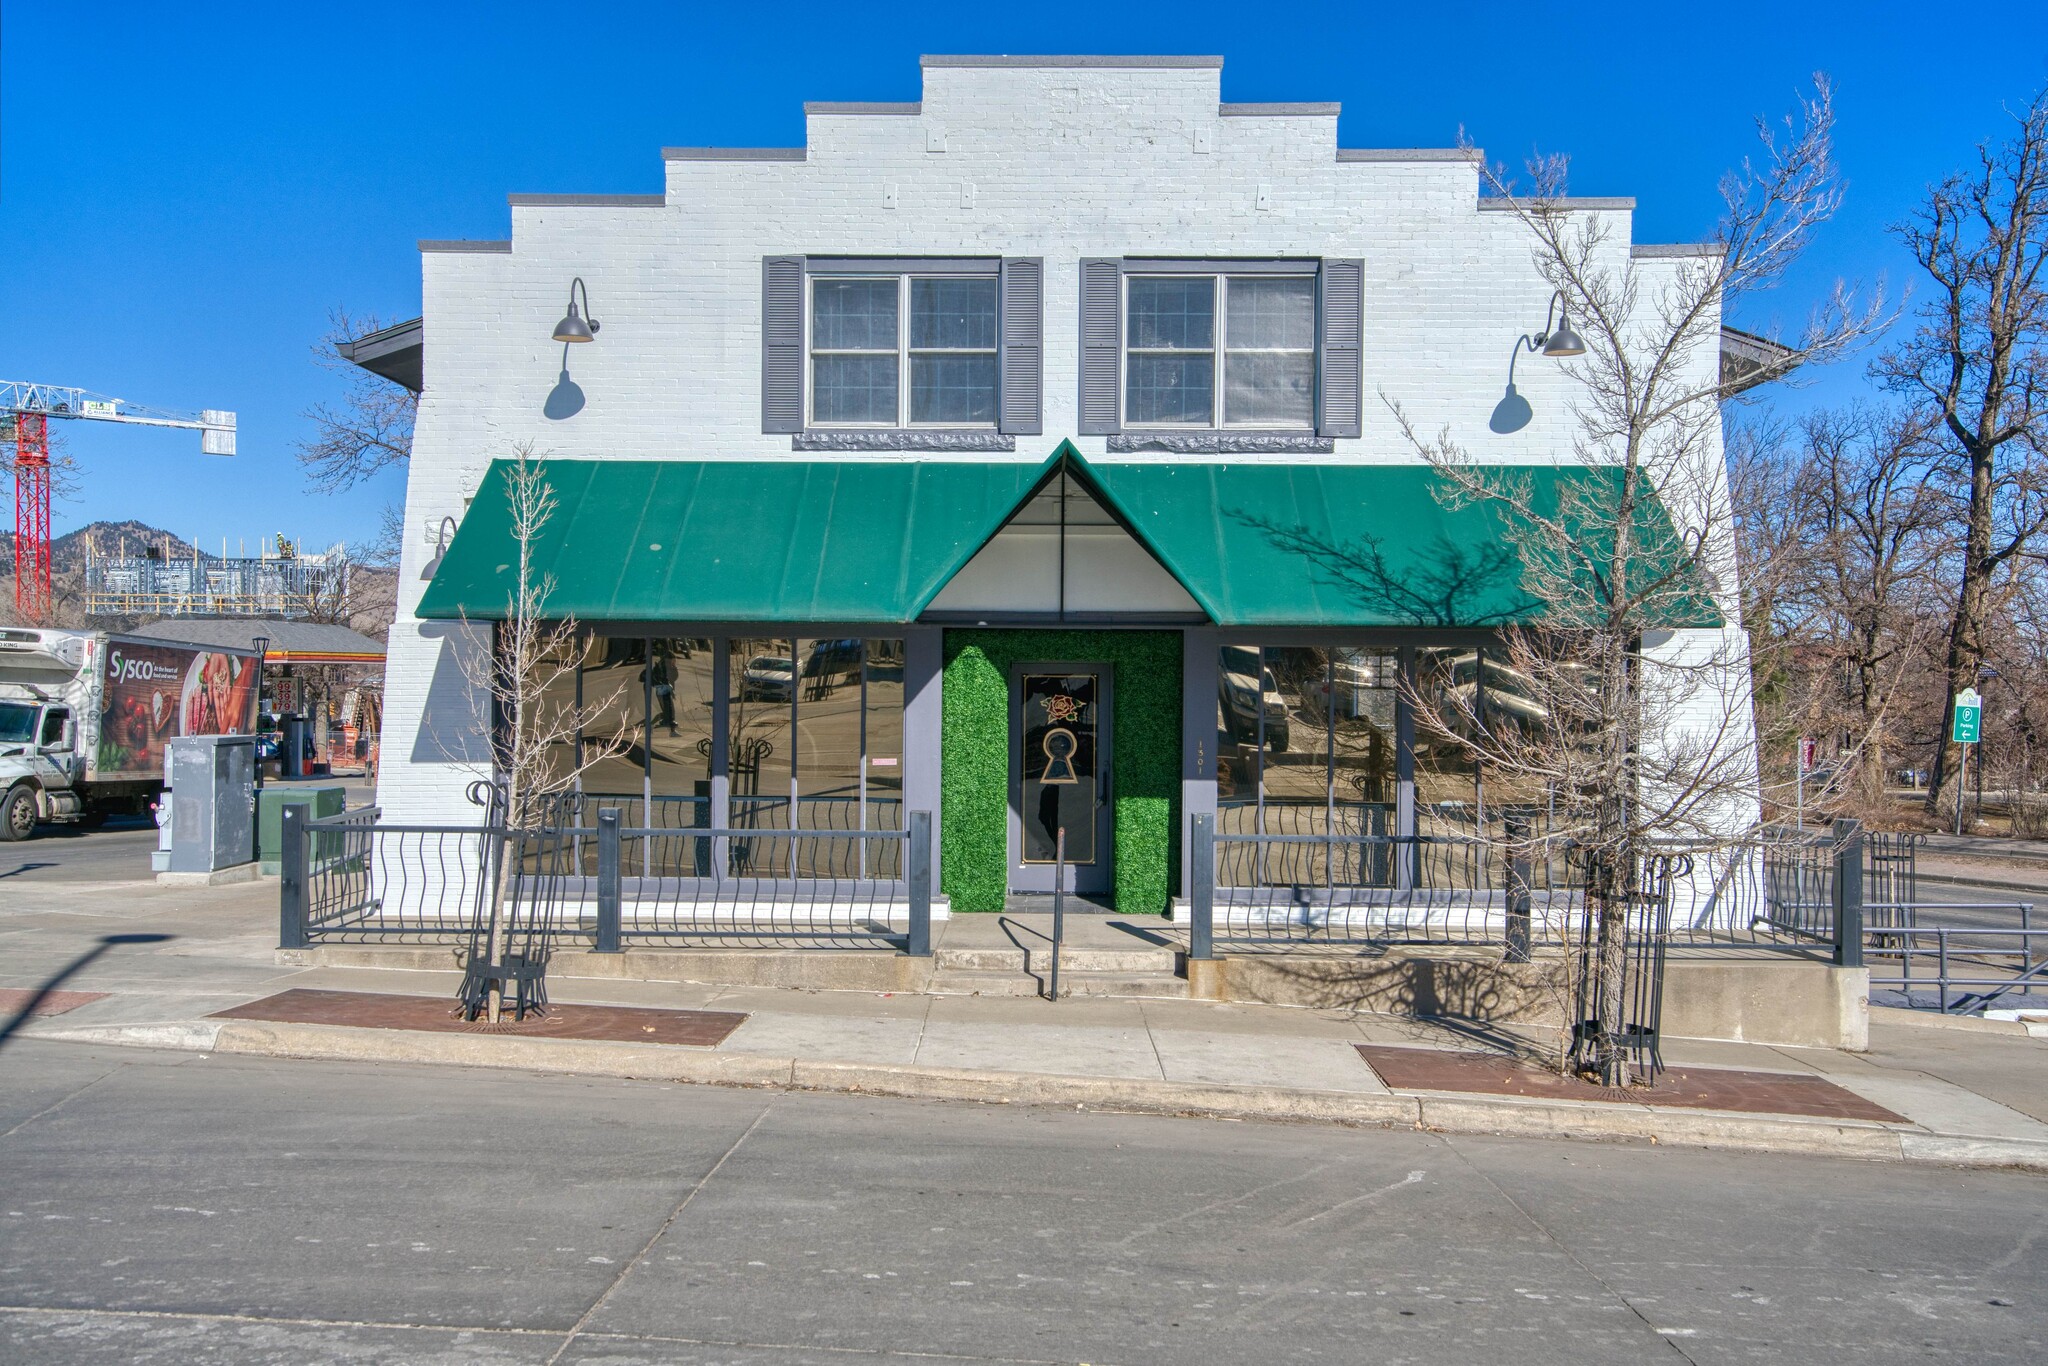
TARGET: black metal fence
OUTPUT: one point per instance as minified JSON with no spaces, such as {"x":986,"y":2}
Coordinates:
{"x":1773,"y":891}
{"x":353,"y":878}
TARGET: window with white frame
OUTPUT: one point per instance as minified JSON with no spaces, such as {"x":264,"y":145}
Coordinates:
{"x":1259,"y":329}
{"x":903,"y":350}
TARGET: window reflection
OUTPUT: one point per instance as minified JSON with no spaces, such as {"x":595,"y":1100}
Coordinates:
{"x":1447,"y":789}
{"x":614,"y":717}
{"x":760,"y":723}
{"x":1306,"y":746}
{"x":556,"y":709}
{"x":680,"y":686}
{"x":816,"y":736}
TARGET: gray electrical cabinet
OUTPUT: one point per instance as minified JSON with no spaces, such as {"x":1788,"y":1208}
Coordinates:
{"x":213,"y":801}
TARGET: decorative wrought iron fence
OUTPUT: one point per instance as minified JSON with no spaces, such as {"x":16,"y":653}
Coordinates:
{"x":353,"y":878}
{"x":1279,"y":889}
{"x":1773,"y":891}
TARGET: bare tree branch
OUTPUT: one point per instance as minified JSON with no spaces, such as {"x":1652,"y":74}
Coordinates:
{"x":369,"y":428}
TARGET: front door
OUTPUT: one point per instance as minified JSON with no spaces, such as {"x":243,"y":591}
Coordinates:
{"x":1060,"y":776}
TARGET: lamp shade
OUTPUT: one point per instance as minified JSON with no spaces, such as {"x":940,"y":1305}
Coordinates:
{"x":1564,"y":341}
{"x":572,"y":328}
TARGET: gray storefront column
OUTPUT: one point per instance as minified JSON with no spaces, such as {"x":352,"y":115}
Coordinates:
{"x":924,"y":649}
{"x":1197,"y":738}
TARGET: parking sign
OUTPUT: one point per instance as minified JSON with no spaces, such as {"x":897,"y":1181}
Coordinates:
{"x":1969,"y":713}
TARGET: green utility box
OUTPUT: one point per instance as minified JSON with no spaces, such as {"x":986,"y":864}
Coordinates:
{"x":321,"y":802}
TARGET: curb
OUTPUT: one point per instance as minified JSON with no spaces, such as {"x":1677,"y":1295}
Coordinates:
{"x":1968,"y":1024}
{"x":1444,"y":1112}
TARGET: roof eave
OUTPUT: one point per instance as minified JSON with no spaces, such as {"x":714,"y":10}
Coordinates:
{"x":396,"y":353}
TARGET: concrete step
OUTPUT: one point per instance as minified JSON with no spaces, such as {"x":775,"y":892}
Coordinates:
{"x":1138,"y":958}
{"x":956,"y":982}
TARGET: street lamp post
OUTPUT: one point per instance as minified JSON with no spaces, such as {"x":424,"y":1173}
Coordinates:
{"x":261,"y":644}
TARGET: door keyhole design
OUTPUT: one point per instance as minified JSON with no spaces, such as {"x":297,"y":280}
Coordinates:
{"x":1059,"y":746}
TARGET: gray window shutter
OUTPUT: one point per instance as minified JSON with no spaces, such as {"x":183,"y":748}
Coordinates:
{"x":1342,"y":332}
{"x":1023,"y":361}
{"x":782,"y":343}
{"x":1101,"y":342}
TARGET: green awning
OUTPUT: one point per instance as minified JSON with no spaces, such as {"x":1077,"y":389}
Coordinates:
{"x":791,"y":541}
{"x":732,"y":540}
{"x":1381,"y":545}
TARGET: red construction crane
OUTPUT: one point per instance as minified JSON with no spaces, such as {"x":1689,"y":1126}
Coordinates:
{"x":29,"y":408}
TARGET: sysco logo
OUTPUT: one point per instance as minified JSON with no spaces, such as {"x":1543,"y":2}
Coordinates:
{"x":124,"y":670}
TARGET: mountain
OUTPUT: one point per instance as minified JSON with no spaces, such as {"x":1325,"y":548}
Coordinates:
{"x":67,"y":552}
{"x":368,"y":607}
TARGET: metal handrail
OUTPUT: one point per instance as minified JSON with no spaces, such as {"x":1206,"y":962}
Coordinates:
{"x":1059,"y":904}
{"x":1904,"y":947}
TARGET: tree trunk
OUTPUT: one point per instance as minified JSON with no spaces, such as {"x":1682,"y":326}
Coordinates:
{"x":495,"y":939}
{"x":1966,"y":628}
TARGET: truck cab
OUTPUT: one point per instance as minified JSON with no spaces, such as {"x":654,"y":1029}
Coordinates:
{"x":40,"y":766}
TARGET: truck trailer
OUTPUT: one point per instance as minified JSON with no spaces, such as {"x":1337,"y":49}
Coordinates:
{"x":85,"y":716}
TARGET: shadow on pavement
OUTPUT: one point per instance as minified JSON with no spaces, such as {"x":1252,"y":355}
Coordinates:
{"x":70,"y":970}
{"x":21,"y":868}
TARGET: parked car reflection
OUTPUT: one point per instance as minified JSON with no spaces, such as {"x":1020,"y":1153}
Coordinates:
{"x":768,"y":678}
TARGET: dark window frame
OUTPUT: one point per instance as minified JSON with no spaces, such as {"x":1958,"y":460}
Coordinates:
{"x":904,"y":270}
{"x":1221,"y":270}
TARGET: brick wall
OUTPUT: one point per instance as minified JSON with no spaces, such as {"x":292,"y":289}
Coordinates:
{"x":1057,"y":162}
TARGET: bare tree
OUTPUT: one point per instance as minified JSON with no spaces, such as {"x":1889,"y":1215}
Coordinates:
{"x":1643,"y":737}
{"x":540,"y":739}
{"x":1975,"y":368}
{"x":369,"y":428}
{"x":1843,"y":540}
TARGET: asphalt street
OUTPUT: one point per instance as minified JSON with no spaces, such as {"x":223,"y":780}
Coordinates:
{"x":117,"y":852}
{"x":173,"y":1207}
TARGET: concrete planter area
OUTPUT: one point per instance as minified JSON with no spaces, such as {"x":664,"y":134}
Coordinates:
{"x":1751,"y":996}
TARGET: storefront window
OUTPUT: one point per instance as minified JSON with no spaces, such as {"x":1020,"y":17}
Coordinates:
{"x":1306,"y":746}
{"x":883,"y":734}
{"x":1448,"y":794}
{"x":614,"y":722}
{"x":761,"y":687}
{"x":679,"y":731}
{"x":830,"y":719}
{"x":816,"y":736}
{"x":556,"y":709}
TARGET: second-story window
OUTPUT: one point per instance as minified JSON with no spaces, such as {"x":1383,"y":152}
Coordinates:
{"x":869,"y":369}
{"x":1260,"y":330}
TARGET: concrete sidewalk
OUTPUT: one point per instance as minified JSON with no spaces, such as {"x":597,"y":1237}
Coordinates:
{"x":1970,"y":1096}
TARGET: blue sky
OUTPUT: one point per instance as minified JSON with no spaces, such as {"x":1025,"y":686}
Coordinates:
{"x":185,"y":191}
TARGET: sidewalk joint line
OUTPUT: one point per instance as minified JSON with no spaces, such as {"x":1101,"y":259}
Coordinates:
{"x":59,"y":1104}
{"x":1152,"y":1037}
{"x":666,"y":1224}
{"x":1663,"y":1335}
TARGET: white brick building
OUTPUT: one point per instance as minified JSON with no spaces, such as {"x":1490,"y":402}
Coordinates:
{"x":857,"y":364}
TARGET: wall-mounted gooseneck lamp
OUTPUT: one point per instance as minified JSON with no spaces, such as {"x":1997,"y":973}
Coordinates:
{"x":1557,"y":341}
{"x":573,"y":328}
{"x":443,"y":534}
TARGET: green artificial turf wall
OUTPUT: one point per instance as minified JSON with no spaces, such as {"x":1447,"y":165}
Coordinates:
{"x":1145,"y":759}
